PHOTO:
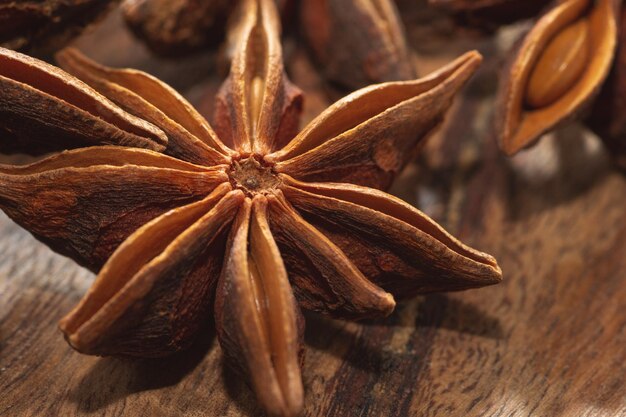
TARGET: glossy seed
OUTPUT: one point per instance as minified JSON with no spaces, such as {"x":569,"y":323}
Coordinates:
{"x":559,"y":66}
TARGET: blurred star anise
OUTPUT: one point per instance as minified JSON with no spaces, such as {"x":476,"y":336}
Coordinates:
{"x":567,"y":67}
{"x":356,"y":42}
{"x":47,"y":24}
{"x":557,"y":70}
{"x":176,"y":27}
{"x":251,"y":221}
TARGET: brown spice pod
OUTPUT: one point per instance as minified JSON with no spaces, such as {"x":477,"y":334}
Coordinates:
{"x":518,"y":125}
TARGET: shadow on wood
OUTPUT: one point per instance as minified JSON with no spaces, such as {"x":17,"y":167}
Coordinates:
{"x":110,"y":379}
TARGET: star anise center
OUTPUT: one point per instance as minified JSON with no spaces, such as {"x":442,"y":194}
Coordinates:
{"x":253,"y":175}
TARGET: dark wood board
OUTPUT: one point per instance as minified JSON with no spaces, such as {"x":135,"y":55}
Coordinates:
{"x":549,"y":341}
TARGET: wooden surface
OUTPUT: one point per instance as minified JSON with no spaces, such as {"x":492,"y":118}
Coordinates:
{"x":549,"y":341}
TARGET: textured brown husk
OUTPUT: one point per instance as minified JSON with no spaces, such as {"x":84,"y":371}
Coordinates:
{"x":239,"y":222}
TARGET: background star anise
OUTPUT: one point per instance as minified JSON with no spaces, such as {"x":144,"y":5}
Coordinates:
{"x":564,"y":68}
{"x":356,"y":42}
{"x":243,"y":219}
{"x":44,"y":25}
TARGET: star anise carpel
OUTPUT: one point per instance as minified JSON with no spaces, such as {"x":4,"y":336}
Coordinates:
{"x":249,"y":222}
{"x":565,"y":68}
{"x":557,"y":70}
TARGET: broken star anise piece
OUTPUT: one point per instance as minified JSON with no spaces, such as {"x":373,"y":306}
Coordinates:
{"x":556,"y":71}
{"x":242,"y":222}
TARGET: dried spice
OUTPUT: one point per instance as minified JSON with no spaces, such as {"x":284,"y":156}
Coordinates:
{"x":182,"y":221}
{"x":357,"y":42}
{"x":556,"y":71}
{"x":175,"y":27}
{"x":47,"y":24}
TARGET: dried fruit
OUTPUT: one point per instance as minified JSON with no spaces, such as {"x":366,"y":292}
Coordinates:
{"x":557,"y":70}
{"x":240,"y":220}
{"x":47,"y":24}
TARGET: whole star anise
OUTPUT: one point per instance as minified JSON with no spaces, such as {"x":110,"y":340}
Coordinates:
{"x":244,"y":220}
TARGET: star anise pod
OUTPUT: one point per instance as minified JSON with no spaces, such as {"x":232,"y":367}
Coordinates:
{"x":557,"y":70}
{"x":251,"y":221}
{"x":47,"y":24}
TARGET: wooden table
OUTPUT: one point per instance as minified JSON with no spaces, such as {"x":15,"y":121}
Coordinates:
{"x":549,"y":341}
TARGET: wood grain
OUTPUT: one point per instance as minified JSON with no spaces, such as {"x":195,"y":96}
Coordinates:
{"x":549,"y":341}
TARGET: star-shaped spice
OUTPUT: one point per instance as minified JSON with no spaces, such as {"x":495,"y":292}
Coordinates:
{"x":247,"y":222}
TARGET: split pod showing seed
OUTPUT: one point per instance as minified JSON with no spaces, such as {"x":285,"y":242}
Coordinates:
{"x":556,"y":70}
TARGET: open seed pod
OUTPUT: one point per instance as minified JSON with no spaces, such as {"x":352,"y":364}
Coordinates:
{"x":608,"y":115}
{"x":556,"y":70}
